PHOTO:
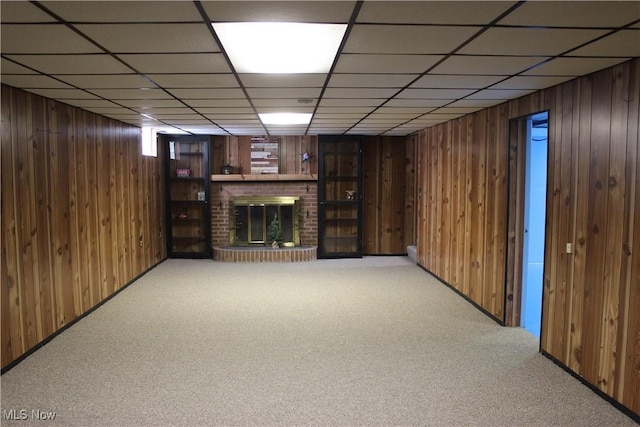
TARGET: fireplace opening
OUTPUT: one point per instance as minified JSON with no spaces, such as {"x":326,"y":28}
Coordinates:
{"x":250,"y":218}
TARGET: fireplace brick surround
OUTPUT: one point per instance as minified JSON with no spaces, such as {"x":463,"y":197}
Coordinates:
{"x":223,"y":192}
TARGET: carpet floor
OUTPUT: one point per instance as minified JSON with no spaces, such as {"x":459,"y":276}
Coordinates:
{"x":372,"y":341}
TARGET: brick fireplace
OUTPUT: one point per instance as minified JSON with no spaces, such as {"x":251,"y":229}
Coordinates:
{"x":224,"y":192}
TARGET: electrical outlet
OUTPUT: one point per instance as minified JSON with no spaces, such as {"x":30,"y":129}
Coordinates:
{"x":569,"y":248}
{"x":140,"y":241}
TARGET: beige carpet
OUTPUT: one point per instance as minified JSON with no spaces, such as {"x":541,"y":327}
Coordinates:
{"x":373,"y":341}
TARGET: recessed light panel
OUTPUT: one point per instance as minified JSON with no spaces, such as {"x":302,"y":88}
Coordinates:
{"x":280,"y":47}
{"x":285,"y":118}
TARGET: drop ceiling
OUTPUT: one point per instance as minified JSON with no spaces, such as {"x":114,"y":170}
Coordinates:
{"x":402,"y":66}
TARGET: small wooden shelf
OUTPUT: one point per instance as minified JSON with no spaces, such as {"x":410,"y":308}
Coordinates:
{"x":263,"y":178}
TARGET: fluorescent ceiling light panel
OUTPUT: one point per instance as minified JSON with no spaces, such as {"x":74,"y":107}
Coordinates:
{"x":280,"y":47}
{"x":285,"y":118}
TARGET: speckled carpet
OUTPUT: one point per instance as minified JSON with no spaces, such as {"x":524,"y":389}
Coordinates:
{"x":373,"y":341}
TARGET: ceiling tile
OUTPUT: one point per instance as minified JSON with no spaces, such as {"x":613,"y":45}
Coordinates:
{"x":351,"y":102}
{"x":134,"y":11}
{"x":456,"y":81}
{"x":344,"y":110}
{"x":280,"y":11}
{"x":476,"y":103}
{"x":500,"y":94}
{"x":237,"y":102}
{"x":568,"y":66}
{"x":456,"y":110}
{"x":389,"y":109}
{"x":398,"y":39}
{"x":235,"y":111}
{"x":119,"y":94}
{"x":42,"y":38}
{"x":26,"y":81}
{"x":268,"y":109}
{"x":93,"y":103}
{"x":623,"y":43}
{"x":418,"y":102}
{"x":368,"y":63}
{"x":434,"y":93}
{"x":282,"y":80}
{"x":107,"y":81}
{"x":151,"y":104}
{"x":530,"y":82}
{"x":22,"y":11}
{"x":338,"y":93}
{"x":10,"y":67}
{"x":371,"y":80}
{"x":282,"y":103}
{"x":194,"y":80}
{"x":63,"y":93}
{"x":72,"y":64}
{"x":152,"y":38}
{"x":224,"y":93}
{"x":168,"y":112}
{"x":237,"y":117}
{"x":290,"y":92}
{"x":574,"y":14}
{"x":488,"y":65}
{"x":528,"y":41}
{"x":432,"y":12}
{"x":177,"y":63}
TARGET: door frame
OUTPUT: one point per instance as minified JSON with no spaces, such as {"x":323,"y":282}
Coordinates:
{"x":516,"y":180}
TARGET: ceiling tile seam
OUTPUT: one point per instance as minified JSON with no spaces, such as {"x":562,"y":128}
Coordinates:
{"x":615,"y":30}
{"x":105,"y":50}
{"x":447,"y":56}
{"x":207,"y":21}
{"x":350,"y":24}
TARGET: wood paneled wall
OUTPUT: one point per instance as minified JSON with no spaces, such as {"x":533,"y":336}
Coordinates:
{"x":591,"y":303}
{"x":236,"y":150}
{"x":388,"y":195}
{"x":82,"y":215}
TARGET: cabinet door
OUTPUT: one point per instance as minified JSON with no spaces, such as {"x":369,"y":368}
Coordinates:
{"x":188,"y":210}
{"x":340,"y":197}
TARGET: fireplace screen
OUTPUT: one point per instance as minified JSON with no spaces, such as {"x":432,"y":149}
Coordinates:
{"x":250,"y":218}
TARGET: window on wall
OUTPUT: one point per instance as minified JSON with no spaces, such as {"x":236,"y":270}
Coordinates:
{"x":149,"y":142}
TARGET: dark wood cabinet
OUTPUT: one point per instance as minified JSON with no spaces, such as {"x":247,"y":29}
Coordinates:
{"x":187,"y":196}
{"x":340,"y":197}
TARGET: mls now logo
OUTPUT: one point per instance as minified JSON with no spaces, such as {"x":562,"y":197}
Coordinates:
{"x":23,"y":414}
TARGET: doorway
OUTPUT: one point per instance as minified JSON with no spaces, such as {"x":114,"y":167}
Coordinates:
{"x":527,"y":193}
{"x":535,"y":194}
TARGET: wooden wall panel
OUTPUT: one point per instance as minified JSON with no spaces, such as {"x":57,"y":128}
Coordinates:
{"x":237,"y":152}
{"x":386,"y":171}
{"x":591,"y":302}
{"x":78,"y":198}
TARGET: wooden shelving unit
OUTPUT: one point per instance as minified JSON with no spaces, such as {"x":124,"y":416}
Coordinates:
{"x":187,"y":196}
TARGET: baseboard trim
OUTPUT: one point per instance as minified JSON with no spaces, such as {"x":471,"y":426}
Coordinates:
{"x":74,"y":321}
{"x":619,"y":406}
{"x":475,"y":304}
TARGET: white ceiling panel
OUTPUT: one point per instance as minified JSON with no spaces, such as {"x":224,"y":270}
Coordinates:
{"x":456,"y":82}
{"x":488,"y":65}
{"x":432,"y":12}
{"x":10,"y":67}
{"x":63,"y":94}
{"x":280,"y":11}
{"x":476,"y":103}
{"x":194,"y":80}
{"x":351,"y":102}
{"x":119,"y":94}
{"x":93,"y":103}
{"x":423,"y":103}
{"x":381,"y":93}
{"x":434,"y":93}
{"x":499,"y":94}
{"x":177,"y":63}
{"x":530,"y":82}
{"x":152,"y":38}
{"x":22,"y":11}
{"x":224,"y":93}
{"x":107,"y":81}
{"x":572,"y":66}
{"x":368,"y":63}
{"x":605,"y":13}
{"x":211,"y":103}
{"x":624,"y":43}
{"x":124,"y":11}
{"x":228,"y":111}
{"x":43,"y":38}
{"x":27,"y":81}
{"x":151,"y":104}
{"x":282,"y":80}
{"x":371,"y":80}
{"x":394,"y":39}
{"x":282,"y":102}
{"x":290,"y":92}
{"x":72,"y":64}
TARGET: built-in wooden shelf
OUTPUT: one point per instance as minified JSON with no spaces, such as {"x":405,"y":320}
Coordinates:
{"x":264,"y":178}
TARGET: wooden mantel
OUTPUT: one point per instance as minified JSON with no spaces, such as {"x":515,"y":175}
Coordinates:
{"x":263,"y":178}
